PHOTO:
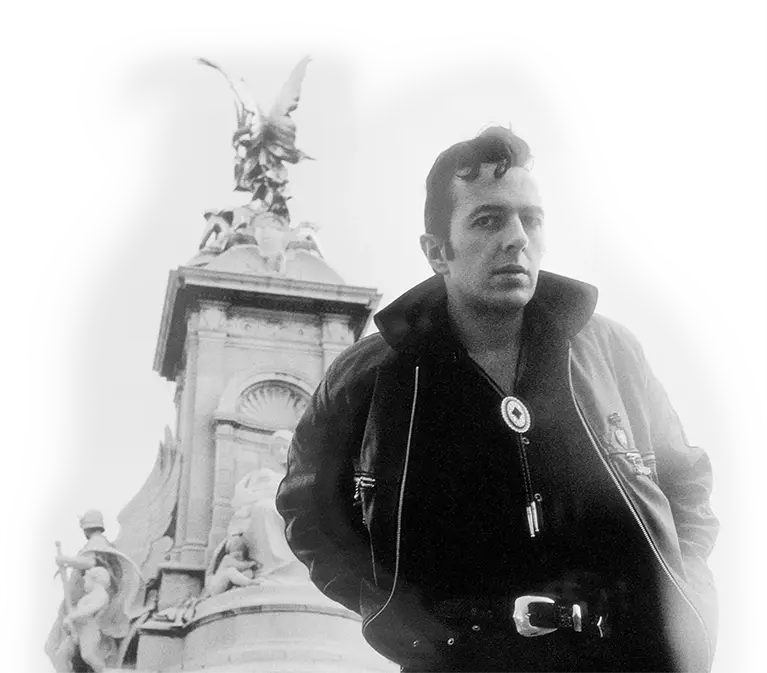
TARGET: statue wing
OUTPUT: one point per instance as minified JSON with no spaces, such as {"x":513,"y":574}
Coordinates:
{"x":287,"y":101}
{"x":126,"y":601}
{"x":246,"y":108}
{"x":147,"y":521}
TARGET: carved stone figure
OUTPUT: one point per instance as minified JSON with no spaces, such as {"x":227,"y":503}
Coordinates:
{"x":304,"y":237}
{"x":231,"y":567}
{"x":82,"y":625}
{"x":263,"y":142}
{"x":219,"y":228}
{"x":229,"y":227}
{"x":181,"y":613}
{"x":257,"y":520}
{"x":105,"y":602}
{"x":272,"y":235}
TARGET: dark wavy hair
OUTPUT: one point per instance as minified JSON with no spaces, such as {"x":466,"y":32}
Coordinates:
{"x":495,"y":145}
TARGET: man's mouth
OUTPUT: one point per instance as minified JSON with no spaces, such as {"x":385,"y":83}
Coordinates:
{"x":510,"y":269}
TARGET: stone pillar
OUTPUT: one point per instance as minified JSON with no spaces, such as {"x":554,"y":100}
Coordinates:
{"x":206,"y":336}
{"x":223,"y":487}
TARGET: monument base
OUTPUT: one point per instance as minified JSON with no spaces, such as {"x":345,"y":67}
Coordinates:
{"x":268,"y":628}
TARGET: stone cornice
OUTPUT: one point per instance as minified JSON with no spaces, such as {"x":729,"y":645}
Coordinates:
{"x":189,"y":285}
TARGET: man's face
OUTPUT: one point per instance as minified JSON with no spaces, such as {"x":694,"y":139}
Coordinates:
{"x":496,"y":232}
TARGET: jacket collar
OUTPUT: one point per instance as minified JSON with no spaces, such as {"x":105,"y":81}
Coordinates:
{"x":564,"y":303}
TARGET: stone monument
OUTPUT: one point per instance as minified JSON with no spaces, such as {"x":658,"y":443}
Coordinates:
{"x":249,"y":326}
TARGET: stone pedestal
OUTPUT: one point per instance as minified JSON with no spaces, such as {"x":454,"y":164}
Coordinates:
{"x":278,"y":629}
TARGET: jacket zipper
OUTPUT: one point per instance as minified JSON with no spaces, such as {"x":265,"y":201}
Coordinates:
{"x":401,"y":503}
{"x":637,"y":518}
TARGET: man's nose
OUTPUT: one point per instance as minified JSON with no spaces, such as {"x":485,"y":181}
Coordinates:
{"x":514,"y":234}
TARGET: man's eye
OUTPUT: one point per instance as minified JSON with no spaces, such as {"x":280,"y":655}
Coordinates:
{"x":487,"y":221}
{"x":532,"y":220}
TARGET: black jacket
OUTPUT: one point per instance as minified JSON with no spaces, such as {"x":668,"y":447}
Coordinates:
{"x":347,"y":471}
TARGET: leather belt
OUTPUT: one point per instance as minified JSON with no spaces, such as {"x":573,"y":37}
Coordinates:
{"x":489,"y":614}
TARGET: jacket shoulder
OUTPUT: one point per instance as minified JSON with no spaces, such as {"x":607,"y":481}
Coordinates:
{"x":603,"y":329}
{"x":361,"y":358}
{"x":354,"y":371}
{"x":610,"y":341}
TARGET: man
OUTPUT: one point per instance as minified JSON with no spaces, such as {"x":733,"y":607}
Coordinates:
{"x":496,"y":481}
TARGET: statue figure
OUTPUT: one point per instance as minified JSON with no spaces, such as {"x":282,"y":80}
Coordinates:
{"x":263,"y":143}
{"x":82,"y":626}
{"x":304,"y":237}
{"x":231,"y":567}
{"x":219,"y":226}
{"x":103,"y":585}
{"x":257,"y":520}
{"x":228,"y":228}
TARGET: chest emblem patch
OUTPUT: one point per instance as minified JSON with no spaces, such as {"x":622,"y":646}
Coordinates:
{"x":621,"y":438}
{"x":515,"y":414}
{"x":619,"y":434}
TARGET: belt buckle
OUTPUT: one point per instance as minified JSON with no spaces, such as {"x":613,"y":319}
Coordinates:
{"x":575,"y":616}
{"x":522,"y":616}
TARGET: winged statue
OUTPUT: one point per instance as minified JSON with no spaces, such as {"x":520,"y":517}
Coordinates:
{"x":105,"y":583}
{"x":264,"y":142}
{"x":103,"y":601}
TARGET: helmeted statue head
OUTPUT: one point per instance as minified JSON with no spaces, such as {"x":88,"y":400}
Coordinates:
{"x":92,"y":520}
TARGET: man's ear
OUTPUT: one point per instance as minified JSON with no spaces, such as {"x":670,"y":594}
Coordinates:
{"x":434,"y":250}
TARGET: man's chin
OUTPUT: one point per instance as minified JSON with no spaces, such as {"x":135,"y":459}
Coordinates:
{"x":510,"y":300}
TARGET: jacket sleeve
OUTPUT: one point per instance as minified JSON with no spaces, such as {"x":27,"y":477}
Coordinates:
{"x":685,"y":477}
{"x":316,"y":496}
{"x":684,"y":472}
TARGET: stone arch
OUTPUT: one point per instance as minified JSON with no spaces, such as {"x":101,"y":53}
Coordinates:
{"x":267,"y":401}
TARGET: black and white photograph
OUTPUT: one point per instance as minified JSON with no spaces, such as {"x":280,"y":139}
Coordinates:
{"x":381,"y":337}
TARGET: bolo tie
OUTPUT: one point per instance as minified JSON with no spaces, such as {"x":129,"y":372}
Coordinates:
{"x":517,"y":417}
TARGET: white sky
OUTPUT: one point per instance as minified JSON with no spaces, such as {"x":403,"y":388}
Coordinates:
{"x":647,"y":120}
